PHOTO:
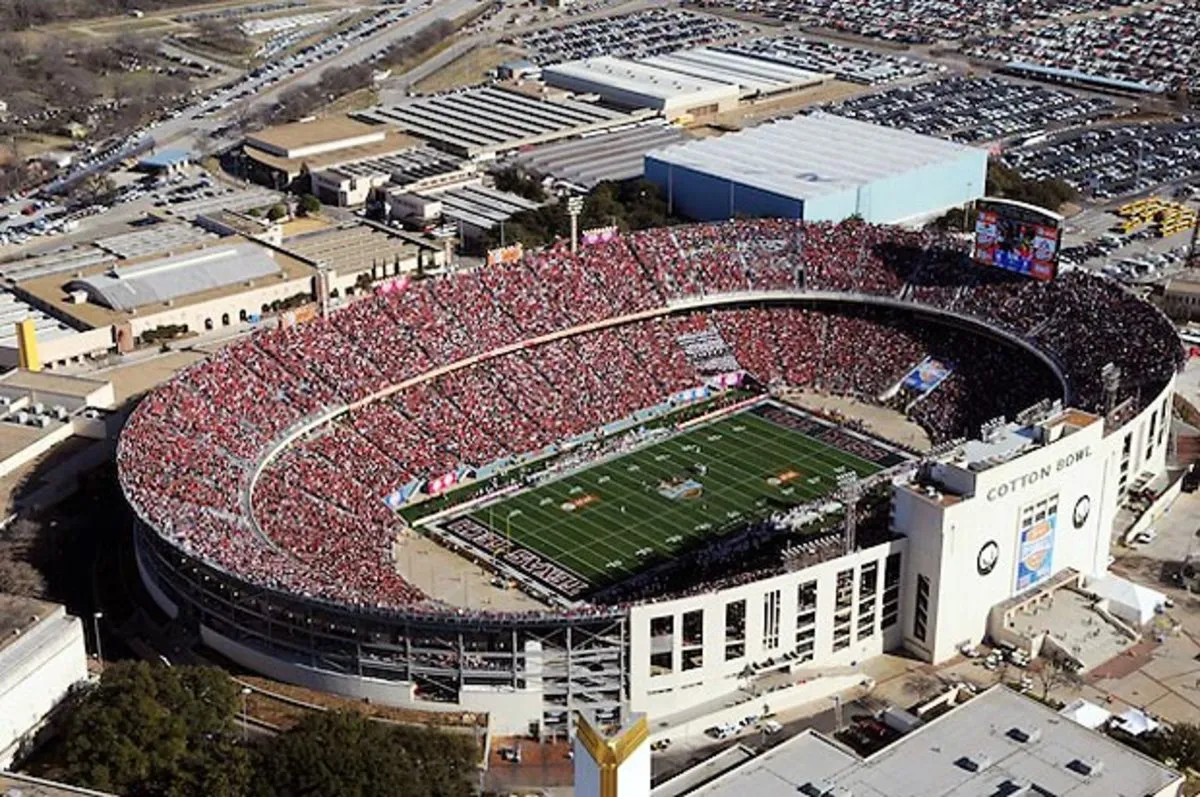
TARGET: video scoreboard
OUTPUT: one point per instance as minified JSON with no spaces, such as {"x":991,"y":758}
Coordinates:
{"x":1018,"y":237}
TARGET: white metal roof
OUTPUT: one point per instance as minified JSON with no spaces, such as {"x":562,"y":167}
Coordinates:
{"x":493,"y":119}
{"x":814,"y":155}
{"x":996,"y":744}
{"x":586,"y":161}
{"x":750,"y":74}
{"x":643,"y":78}
{"x":170,"y":278}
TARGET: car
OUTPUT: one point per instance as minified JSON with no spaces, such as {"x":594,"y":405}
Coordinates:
{"x":1145,"y":537}
{"x":771,"y":727}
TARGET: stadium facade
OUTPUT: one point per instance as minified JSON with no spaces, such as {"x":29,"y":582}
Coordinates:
{"x":818,"y":167}
{"x":975,"y":525}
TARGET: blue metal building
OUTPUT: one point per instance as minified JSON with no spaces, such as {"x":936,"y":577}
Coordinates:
{"x":819,"y":167}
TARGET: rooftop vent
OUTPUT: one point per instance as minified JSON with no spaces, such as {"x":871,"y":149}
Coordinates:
{"x":973,"y":763}
{"x":1086,"y":766}
{"x":1023,"y":736}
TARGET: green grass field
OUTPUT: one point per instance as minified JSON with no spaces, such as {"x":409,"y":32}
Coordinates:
{"x":609,"y":520}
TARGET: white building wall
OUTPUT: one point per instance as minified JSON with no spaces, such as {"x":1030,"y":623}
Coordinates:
{"x":663,"y":694}
{"x":1079,"y":474}
{"x":36,"y":670}
{"x":194,"y":316}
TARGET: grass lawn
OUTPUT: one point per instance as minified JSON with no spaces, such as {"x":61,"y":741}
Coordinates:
{"x":609,"y":520}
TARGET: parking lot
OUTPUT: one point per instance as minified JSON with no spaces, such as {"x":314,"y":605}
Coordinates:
{"x":854,"y":64}
{"x":1158,"y":46}
{"x":1114,"y":161}
{"x":972,"y":110}
{"x":914,"y":22}
{"x":637,"y":35}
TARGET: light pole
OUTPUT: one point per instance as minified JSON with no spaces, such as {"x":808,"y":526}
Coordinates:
{"x":574,"y":208}
{"x":96,"y":628}
{"x":245,"y":727}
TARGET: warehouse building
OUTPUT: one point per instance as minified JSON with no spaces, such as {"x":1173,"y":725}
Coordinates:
{"x":353,"y":255}
{"x":153,"y":239}
{"x":635,"y":84}
{"x":477,"y":209}
{"x":484,"y":122}
{"x":277,"y":156}
{"x":584,"y":162}
{"x":232,"y":281}
{"x":818,"y":168}
{"x":416,"y":169}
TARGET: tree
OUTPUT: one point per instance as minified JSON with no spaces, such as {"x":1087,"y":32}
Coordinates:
{"x":276,"y":212}
{"x":1179,"y":745}
{"x":19,"y":573}
{"x":1010,"y":184}
{"x":1053,"y":673}
{"x":513,"y":181}
{"x":345,"y":753}
{"x":308,"y":205}
{"x":153,"y":730}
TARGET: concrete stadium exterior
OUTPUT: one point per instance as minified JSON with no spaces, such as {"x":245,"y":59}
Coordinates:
{"x":928,"y":589}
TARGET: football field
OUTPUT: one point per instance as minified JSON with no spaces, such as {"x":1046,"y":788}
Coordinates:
{"x":610,"y":520}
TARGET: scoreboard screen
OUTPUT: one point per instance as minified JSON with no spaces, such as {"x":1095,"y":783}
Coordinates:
{"x":1017,"y":237}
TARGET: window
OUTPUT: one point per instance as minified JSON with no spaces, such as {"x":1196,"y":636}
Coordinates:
{"x":844,"y":596}
{"x":693,"y":640}
{"x":735,"y":630}
{"x":662,"y":645}
{"x":891,"y":591}
{"x":806,"y":604}
{"x":771,"y":620}
{"x":921,"y":617}
{"x":868,"y":579}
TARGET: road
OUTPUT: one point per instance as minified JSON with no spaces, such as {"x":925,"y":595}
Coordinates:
{"x":190,"y":130}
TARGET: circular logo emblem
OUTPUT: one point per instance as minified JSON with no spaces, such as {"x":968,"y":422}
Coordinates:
{"x":1083,"y":508}
{"x":989,"y":554}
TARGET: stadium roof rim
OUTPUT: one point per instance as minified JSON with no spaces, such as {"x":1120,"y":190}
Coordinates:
{"x":709,"y":300}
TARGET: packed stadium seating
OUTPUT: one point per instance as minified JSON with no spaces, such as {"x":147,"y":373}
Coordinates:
{"x":314,"y":522}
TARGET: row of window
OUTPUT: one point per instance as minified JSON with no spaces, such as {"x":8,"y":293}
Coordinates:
{"x":845,"y":629}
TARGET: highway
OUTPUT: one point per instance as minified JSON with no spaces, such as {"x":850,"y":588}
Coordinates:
{"x":191,"y":128}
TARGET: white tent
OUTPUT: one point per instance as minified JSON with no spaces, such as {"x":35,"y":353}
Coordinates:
{"x":1130,"y":602}
{"x":1086,"y":713}
{"x":1136,"y":722}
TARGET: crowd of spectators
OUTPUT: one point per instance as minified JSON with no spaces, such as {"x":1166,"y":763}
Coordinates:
{"x":314,"y":521}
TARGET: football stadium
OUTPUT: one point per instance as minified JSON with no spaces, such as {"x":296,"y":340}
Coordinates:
{"x":583,"y":481}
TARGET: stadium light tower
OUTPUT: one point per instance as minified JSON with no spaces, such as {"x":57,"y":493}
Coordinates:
{"x":848,"y":494}
{"x":574,"y":208}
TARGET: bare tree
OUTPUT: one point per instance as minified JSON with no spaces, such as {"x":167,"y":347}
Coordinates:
{"x":1053,"y":674}
{"x":20,"y":578}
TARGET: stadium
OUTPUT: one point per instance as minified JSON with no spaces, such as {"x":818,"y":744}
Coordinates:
{"x":600,"y":452}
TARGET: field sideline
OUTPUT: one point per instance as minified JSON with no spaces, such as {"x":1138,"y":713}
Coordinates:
{"x":607,"y":521}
